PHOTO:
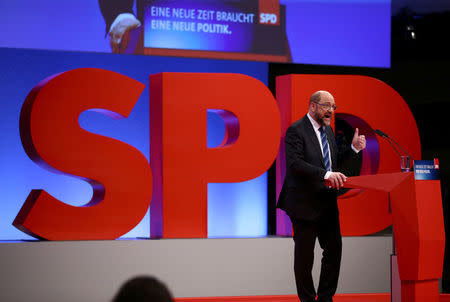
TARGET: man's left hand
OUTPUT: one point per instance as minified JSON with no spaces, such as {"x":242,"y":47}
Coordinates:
{"x":359,"y":141}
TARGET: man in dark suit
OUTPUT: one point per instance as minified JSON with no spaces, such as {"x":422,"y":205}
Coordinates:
{"x":309,"y":195}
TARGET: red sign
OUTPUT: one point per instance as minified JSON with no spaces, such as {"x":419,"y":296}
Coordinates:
{"x":182,"y":164}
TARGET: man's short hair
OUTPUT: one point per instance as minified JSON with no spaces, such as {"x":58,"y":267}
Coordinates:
{"x":315,"y":97}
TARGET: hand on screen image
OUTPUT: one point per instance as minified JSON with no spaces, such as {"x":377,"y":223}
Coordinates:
{"x":120,"y":20}
{"x":119,"y":33}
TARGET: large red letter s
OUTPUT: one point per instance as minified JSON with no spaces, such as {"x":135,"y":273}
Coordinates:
{"x":119,"y":174}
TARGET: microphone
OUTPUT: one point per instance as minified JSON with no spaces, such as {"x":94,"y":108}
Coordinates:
{"x":380,"y":133}
{"x":390,"y":140}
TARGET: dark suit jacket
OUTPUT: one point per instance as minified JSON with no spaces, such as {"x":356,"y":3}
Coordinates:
{"x":304,"y":194}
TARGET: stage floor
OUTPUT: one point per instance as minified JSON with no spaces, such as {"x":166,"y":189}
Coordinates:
{"x":248,"y":269}
{"x":379,"y":297}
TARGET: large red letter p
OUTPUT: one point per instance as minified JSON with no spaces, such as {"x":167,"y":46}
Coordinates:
{"x":181,"y":161}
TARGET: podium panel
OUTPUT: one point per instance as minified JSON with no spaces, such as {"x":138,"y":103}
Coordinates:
{"x":418,"y":226}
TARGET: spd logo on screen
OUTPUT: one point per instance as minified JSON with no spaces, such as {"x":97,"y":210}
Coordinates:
{"x":268,"y":18}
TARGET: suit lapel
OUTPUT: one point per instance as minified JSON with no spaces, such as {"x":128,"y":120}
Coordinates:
{"x":332,"y":144}
{"x":313,"y":139}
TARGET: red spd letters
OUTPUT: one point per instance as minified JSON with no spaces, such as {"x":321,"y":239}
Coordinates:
{"x":181,"y":163}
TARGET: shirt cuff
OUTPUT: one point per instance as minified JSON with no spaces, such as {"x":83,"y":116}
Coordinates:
{"x":354,"y":149}
{"x":327,"y":175}
{"x":120,"y":17}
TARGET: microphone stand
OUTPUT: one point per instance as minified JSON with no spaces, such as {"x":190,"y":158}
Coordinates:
{"x":390,"y":140}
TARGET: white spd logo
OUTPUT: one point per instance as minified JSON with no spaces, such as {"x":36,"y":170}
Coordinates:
{"x":267,"y":18}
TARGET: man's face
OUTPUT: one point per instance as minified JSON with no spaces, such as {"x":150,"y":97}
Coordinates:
{"x":323,"y":110}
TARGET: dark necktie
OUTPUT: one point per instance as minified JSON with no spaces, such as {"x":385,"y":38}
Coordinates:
{"x":326,"y":154}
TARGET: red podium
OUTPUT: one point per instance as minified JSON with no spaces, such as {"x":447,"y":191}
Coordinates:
{"x":418,"y":229}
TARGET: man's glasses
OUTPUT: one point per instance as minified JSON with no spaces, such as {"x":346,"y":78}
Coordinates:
{"x":327,"y":106}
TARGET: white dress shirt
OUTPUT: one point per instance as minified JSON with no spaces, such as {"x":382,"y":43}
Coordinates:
{"x":316,"y":127}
